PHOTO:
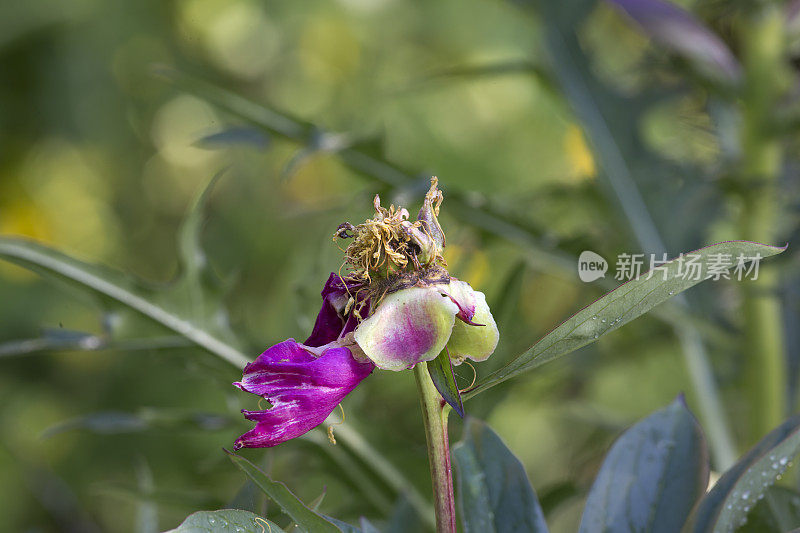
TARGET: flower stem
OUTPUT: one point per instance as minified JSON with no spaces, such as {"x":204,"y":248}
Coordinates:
{"x":434,"y":417}
{"x":765,"y":70}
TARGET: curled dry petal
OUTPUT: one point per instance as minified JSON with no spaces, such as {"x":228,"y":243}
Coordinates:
{"x":429,"y":213}
{"x":303,"y":390}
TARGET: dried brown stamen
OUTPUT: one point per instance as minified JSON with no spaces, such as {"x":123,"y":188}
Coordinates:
{"x":390,"y":244}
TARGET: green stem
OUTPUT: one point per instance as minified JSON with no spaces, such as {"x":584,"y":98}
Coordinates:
{"x":434,"y":417}
{"x":762,"y":153}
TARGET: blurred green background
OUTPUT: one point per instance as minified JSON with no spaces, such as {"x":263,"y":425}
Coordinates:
{"x":115,"y":115}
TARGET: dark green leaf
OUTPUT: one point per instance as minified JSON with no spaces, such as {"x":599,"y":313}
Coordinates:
{"x":235,"y":136}
{"x":314,"y":506}
{"x":623,"y":304}
{"x":226,"y":521}
{"x":404,"y":518}
{"x":344,"y":527}
{"x":300,"y":513}
{"x":365,"y":526}
{"x":652,"y":477}
{"x":725,"y":507}
{"x":487,"y":70}
{"x":248,"y":498}
{"x":441,"y":372}
{"x":494,"y":494}
{"x":779,"y":510}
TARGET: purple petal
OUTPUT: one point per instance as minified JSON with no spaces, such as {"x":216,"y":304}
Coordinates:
{"x":302,"y":389}
{"x":330,"y":322}
{"x":677,"y":29}
{"x":408,"y":326}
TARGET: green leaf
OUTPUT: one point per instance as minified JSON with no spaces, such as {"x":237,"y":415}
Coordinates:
{"x":344,"y":527}
{"x":226,"y":521}
{"x":144,"y":419}
{"x":147,"y":508}
{"x":300,"y":513}
{"x":404,"y":518}
{"x":726,"y":506}
{"x":365,"y":526}
{"x":779,"y":510}
{"x":494,"y":493}
{"x":192,"y":256}
{"x":486,"y":70}
{"x":52,"y":340}
{"x":623,"y":304}
{"x":248,"y":498}
{"x":652,"y":477}
{"x":120,"y":289}
{"x":245,"y":136}
{"x":441,"y":372}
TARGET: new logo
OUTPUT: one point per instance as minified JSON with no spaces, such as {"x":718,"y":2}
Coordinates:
{"x":591,"y":266}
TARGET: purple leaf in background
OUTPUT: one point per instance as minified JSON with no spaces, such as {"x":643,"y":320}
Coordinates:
{"x":675,"y":28}
{"x":792,"y":13}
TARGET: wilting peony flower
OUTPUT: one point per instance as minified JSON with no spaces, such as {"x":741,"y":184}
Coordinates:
{"x":397,"y":307}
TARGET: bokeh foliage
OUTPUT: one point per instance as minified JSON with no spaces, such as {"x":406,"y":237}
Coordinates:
{"x":114,"y":117}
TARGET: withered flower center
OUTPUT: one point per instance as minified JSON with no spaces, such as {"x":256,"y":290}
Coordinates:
{"x":390,"y":246}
